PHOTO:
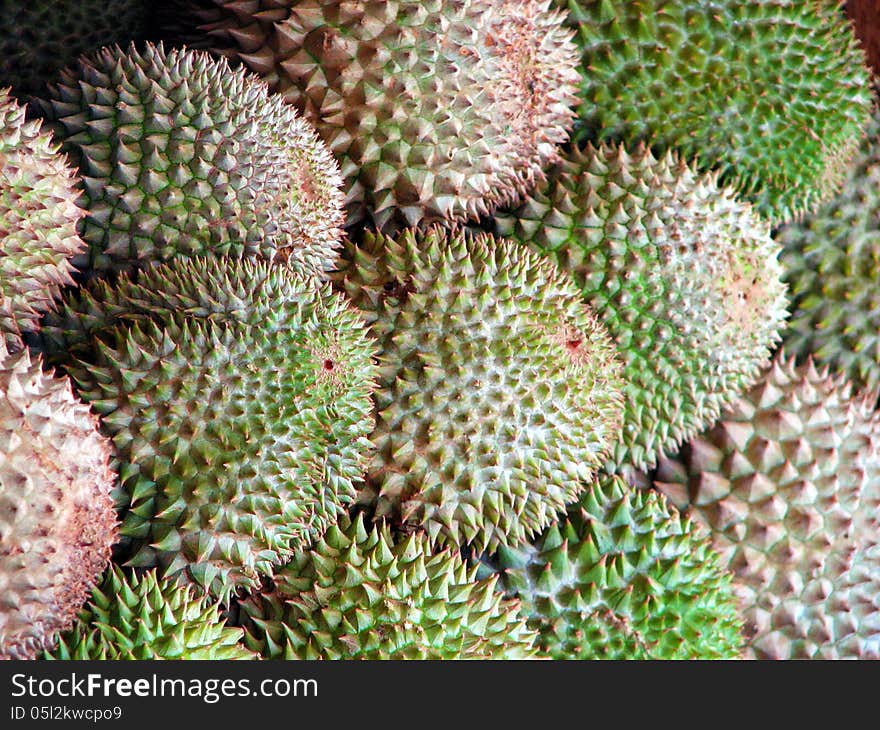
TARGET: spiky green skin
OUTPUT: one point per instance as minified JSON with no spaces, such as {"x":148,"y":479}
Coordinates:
{"x":624,"y":577}
{"x":360,"y":593}
{"x":772,"y":93}
{"x":57,"y":522}
{"x":132,"y":617}
{"x":593,"y":636}
{"x":203,"y":289}
{"x":181,"y":155}
{"x":684,"y":276}
{"x":239,"y":420}
{"x":38,"y":38}
{"x":831,"y":261}
{"x":788,"y":481}
{"x":38,"y":219}
{"x":499,"y":392}
{"x":437,"y":110}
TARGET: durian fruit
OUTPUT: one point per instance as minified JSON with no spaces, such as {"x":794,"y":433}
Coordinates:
{"x":774,"y":94}
{"x":499,"y":391}
{"x":57,"y":522}
{"x":133,"y":616}
{"x":362,"y":593}
{"x":684,"y":275}
{"x":865,"y":15}
{"x":38,"y":38}
{"x":38,"y":221}
{"x":788,"y":481}
{"x":239,"y":407}
{"x":214,"y":290}
{"x":624,"y":576}
{"x":436,"y":109}
{"x":181,"y":155}
{"x":831,"y":261}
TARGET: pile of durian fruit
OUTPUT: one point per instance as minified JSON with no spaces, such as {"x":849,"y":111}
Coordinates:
{"x":439,"y":329}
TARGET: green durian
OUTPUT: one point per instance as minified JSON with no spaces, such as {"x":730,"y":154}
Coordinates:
{"x":624,"y":576}
{"x":133,"y":617}
{"x":685,"y":276}
{"x":239,"y":397}
{"x":361,"y":593}
{"x":598,"y":634}
{"x":831,"y":261}
{"x":436,"y":110}
{"x":788,"y":482}
{"x":38,"y":221}
{"x":180,"y":155}
{"x":38,"y":38}
{"x":57,"y":521}
{"x":499,"y":391}
{"x":205,"y":289}
{"x":773,"y":94}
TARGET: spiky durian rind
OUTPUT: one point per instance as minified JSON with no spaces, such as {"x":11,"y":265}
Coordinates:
{"x":773,"y":94}
{"x":436,"y":110}
{"x":201,"y":288}
{"x":625,"y":576}
{"x":831,"y":261}
{"x":361,"y":593}
{"x":684,"y":275}
{"x":239,"y":402}
{"x":499,"y":392}
{"x":788,"y":482}
{"x":38,"y":221}
{"x":141,"y":617}
{"x":57,"y":522}
{"x":181,"y":155}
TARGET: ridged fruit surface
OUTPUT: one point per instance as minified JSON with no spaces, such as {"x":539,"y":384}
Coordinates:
{"x":788,"y":481}
{"x":437,"y":110}
{"x":774,"y":94}
{"x":239,"y":417}
{"x":57,"y":522}
{"x":38,"y":221}
{"x":140,"y":617}
{"x":624,"y":576}
{"x":362,"y":593}
{"x":831,"y":261}
{"x":180,"y":155}
{"x":499,"y":391}
{"x":683,"y":274}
